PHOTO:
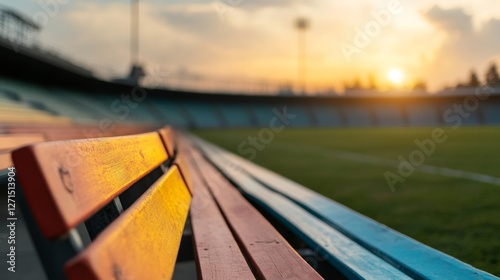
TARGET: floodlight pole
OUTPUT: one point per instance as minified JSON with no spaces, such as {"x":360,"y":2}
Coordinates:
{"x":134,"y":32}
{"x":302,"y":24}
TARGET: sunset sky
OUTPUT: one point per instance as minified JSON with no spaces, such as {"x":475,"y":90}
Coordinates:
{"x":438,"y":41}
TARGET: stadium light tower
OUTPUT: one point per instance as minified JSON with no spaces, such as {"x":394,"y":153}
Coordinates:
{"x":134,"y":32}
{"x":302,"y":24}
{"x":136,"y":71}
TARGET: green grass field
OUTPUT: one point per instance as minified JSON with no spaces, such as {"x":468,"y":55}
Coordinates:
{"x":459,"y":216}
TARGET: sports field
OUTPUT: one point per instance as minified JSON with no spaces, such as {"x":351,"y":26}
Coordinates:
{"x":450,"y":202}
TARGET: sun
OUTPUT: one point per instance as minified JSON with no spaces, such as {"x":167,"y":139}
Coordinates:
{"x":396,"y":76}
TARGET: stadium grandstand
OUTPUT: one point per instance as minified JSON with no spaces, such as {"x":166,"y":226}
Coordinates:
{"x":36,"y":80}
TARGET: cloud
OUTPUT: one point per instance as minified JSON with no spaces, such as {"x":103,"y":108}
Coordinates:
{"x":451,"y":20}
{"x":190,"y":36}
{"x":465,"y":46}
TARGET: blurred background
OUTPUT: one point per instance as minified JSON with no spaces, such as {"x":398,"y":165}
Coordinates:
{"x":388,"y":107}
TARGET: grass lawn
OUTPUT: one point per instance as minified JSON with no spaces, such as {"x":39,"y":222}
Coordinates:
{"x":458,"y":216}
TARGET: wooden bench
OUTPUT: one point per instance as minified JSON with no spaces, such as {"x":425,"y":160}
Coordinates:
{"x":356,"y":245}
{"x":115,"y":208}
{"x":95,"y":185}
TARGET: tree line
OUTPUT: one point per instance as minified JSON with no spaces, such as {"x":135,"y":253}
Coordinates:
{"x":491,"y":78}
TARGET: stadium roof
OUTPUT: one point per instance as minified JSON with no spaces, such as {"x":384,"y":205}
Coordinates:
{"x":19,"y":17}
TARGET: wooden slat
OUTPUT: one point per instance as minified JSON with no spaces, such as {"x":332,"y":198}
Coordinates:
{"x":354,"y":261}
{"x":74,"y":131}
{"x":174,"y":145}
{"x":65,"y":136}
{"x":57,"y":133}
{"x":65,"y":182}
{"x":218,"y":255}
{"x":11,"y":141}
{"x":181,"y":161}
{"x":5,"y":161}
{"x":270,"y":254}
{"x":167,"y":135}
{"x":184,"y":148}
{"x":414,"y":258}
{"x":143,"y":242}
{"x":30,"y":127}
{"x":43,"y":129}
{"x":41,"y":120}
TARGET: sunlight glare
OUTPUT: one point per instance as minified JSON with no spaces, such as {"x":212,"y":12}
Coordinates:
{"x":395,"y":76}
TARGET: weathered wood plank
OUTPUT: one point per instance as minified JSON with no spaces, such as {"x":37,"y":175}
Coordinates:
{"x":218,"y":255}
{"x":55,"y":132}
{"x":11,"y":141}
{"x":183,"y":148}
{"x":42,"y":119}
{"x":270,"y":254}
{"x":180,"y":160}
{"x":143,"y":242}
{"x":132,"y":129}
{"x":67,"y":181}
{"x":75,"y":131}
{"x":167,"y":135}
{"x":414,"y":258}
{"x":5,"y":161}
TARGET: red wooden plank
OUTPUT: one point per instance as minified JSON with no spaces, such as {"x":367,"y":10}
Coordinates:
{"x":171,"y":145}
{"x":74,"y":131}
{"x":217,"y":252}
{"x":5,"y":161}
{"x":270,"y":254}
{"x":167,"y":135}
{"x":11,"y":141}
{"x":181,"y":161}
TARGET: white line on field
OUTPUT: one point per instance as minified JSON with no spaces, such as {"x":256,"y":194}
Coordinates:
{"x":424,"y":168}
